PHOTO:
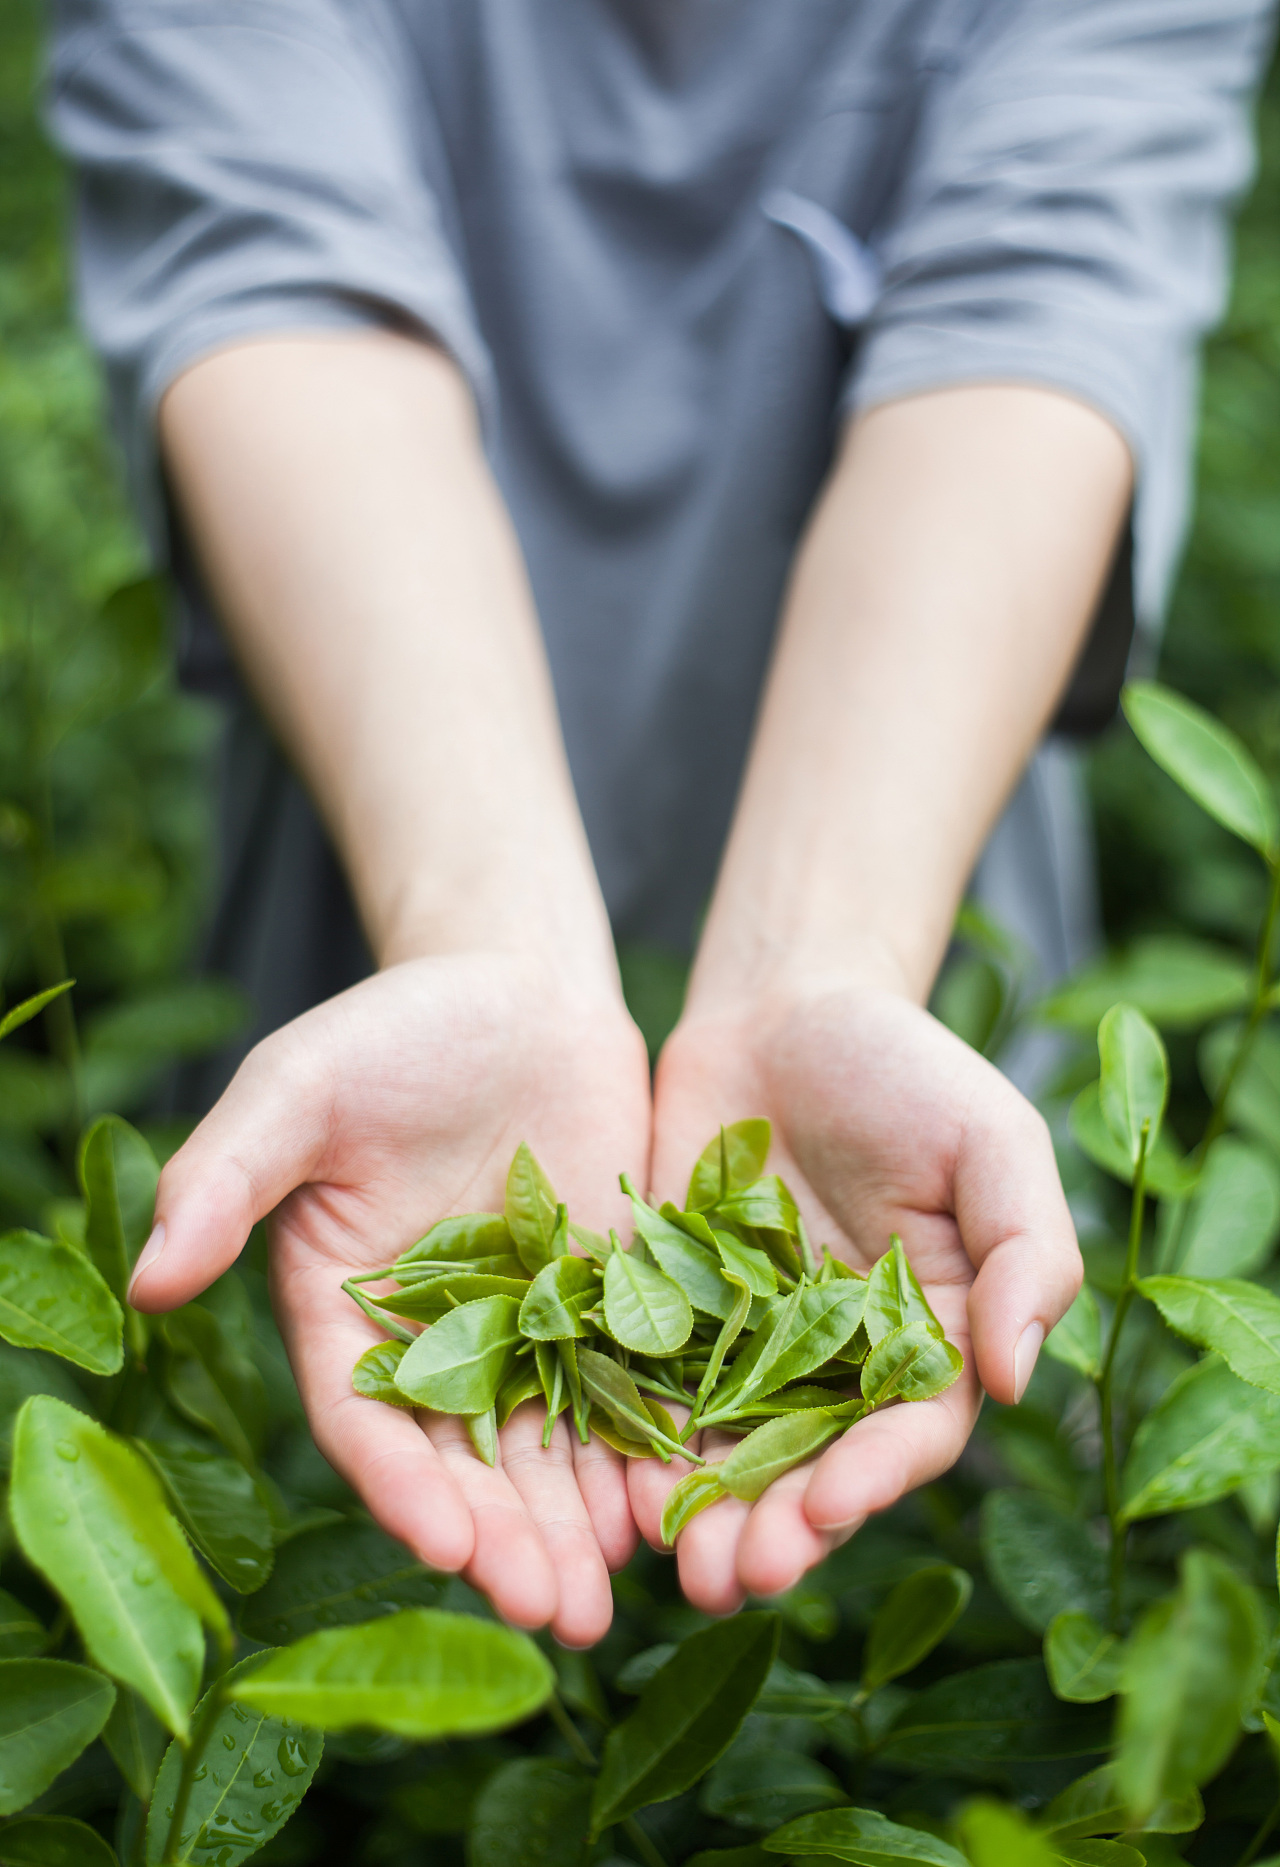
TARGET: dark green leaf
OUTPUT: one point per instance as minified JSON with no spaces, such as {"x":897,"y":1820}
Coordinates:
{"x":552,"y":1309}
{"x":1000,"y":1713}
{"x":1233,"y":1218}
{"x":1254,"y":1099}
{"x":1235,"y":1319}
{"x":894,"y":1296}
{"x":864,"y":1836}
{"x":1191,"y":1670}
{"x":745,"y":1147}
{"x":1082,"y":1659}
{"x":791,"y":1694}
{"x":1076,"y":1340}
{"x":52,"y":1298}
{"x":1134,"y":1085}
{"x":49,"y":1711}
{"x":1167,"y":1174}
{"x":1207,"y":760}
{"x":1178,"y":983}
{"x":442,"y":1800}
{"x":419,"y":1674}
{"x":1043,"y":1561}
{"x":1092,"y":1805}
{"x":687,"y":1716}
{"x":136,"y":1739}
{"x":374,"y":1375}
{"x":31,"y":1007}
{"x":759,"y":1788}
{"x":118,"y":1177}
{"x":53,"y":1841}
{"x":1206,"y":1434}
{"x":479,"y":1241}
{"x":643,"y":1309}
{"x":530,"y":1211}
{"x":35,"y":1092}
{"x":460,"y":1362}
{"x":23,"y":1373}
{"x":221,"y":1507}
{"x":335,"y":1576}
{"x":775,"y":1448}
{"x":918,"y":1613}
{"x":256,"y":1770}
{"x":533,"y":1812}
{"x":212,"y":1382}
{"x":912,"y":1363}
{"x":21,"y":1634}
{"x":641,"y":1667}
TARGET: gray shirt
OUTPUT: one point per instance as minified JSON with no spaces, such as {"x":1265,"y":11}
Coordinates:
{"x":671,"y":243}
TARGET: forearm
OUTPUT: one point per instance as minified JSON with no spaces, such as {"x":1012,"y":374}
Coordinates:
{"x":373,"y":590}
{"x":936,"y":609}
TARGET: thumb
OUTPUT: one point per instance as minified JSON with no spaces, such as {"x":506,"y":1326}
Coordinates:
{"x":261,"y":1139}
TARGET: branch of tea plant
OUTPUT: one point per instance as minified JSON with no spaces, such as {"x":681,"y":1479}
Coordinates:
{"x":1249,"y":1031}
{"x":191,"y":1754}
{"x":584,"y":1755}
{"x":1106,"y":1380}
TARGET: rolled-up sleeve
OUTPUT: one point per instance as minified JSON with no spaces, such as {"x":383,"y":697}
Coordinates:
{"x":241,"y":170}
{"x":1064,"y":222}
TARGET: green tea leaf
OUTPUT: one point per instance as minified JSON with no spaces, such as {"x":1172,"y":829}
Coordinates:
{"x":1093,"y":1805}
{"x":1167,"y":1174}
{"x":212,"y":1382}
{"x":1233,"y":1219}
{"x":746,"y":1148}
{"x":861,"y":1835}
{"x":562,"y":1290}
{"x":460,"y":1362}
{"x":49,"y":1711}
{"x":1000,"y":1713}
{"x":530,"y":1211}
{"x":256,"y":1771}
{"x":773,"y":1449}
{"x":482,"y":1431}
{"x":686,"y":1717}
{"x":798,"y":1335}
{"x":24,"y":1372}
{"x":479,"y":1241}
{"x":136,"y":1739}
{"x":54,"y":1841}
{"x":894,"y":1296}
{"x":691,"y":1494}
{"x":1082,"y":1659}
{"x":643,"y":1309}
{"x":532,"y":1812}
{"x":611,"y":1389}
{"x":1238,"y":1320}
{"x":91,"y":1516}
{"x":1177,"y":982}
{"x":118,"y":1177}
{"x":31,"y":1007}
{"x":758,"y":1788}
{"x":765,"y":1205}
{"x":748,"y":1265}
{"x":791,"y":1694}
{"x":334,"y":1576}
{"x":1042,"y":1561}
{"x":917,"y":1614}
{"x":1134,"y":1086}
{"x":431,"y":1298}
{"x":686,"y":1261}
{"x":374,"y":1374}
{"x":419,"y":1674}
{"x":52,"y":1298}
{"x":1076,"y":1340}
{"x":1206,"y":1434}
{"x":913,"y":1363}
{"x":21,"y":1634}
{"x":1206,"y":759}
{"x":221,"y":1507}
{"x":1191,"y":1669}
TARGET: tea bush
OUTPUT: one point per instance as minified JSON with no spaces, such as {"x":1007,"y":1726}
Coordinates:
{"x":1065,"y":1651}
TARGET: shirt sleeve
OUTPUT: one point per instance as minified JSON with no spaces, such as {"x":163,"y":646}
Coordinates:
{"x":1064,"y":222}
{"x":241,"y":169}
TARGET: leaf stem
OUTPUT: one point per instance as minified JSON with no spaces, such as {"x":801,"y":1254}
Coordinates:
{"x":1106,"y":1380}
{"x":584,"y":1755}
{"x":1257,"y":1012}
{"x":191,"y":1752}
{"x":383,"y":1318}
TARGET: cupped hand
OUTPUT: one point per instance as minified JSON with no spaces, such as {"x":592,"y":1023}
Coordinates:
{"x":358,"y":1126}
{"x":883,"y":1122}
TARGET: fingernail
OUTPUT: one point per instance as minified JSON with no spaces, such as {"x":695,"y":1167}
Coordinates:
{"x":147,"y":1257}
{"x":1024,"y":1358}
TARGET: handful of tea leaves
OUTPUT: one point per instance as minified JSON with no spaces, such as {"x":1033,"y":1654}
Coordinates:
{"x":722,"y":1307}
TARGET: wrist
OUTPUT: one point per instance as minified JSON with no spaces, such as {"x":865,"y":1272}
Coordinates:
{"x":747,"y":967}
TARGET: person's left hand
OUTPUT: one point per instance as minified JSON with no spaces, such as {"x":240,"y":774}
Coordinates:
{"x":883,"y":1122}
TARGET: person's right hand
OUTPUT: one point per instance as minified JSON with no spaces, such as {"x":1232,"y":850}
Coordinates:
{"x":358,"y":1126}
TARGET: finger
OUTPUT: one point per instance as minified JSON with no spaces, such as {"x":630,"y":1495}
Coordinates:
{"x":602,"y":1481}
{"x":381,"y":1451}
{"x":707,"y":1553}
{"x":883,"y":1457}
{"x":545,"y":1478}
{"x":260,"y":1140}
{"x":1017,"y":1230}
{"x":778,"y":1543}
{"x":510,"y":1565}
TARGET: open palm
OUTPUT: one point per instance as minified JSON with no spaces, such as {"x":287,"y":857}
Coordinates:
{"x":883,"y":1122}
